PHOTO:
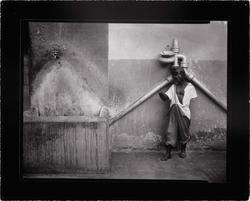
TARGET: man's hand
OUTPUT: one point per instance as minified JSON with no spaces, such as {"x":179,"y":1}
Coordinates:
{"x":189,"y":76}
{"x":163,"y":96}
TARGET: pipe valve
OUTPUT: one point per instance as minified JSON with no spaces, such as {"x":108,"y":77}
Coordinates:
{"x":173,"y":55}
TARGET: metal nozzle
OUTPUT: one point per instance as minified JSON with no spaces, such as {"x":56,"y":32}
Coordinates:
{"x":175,"y":47}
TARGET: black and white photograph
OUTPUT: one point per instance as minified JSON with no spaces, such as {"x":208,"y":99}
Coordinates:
{"x":125,"y":101}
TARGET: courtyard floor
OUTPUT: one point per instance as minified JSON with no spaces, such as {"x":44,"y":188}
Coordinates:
{"x":204,"y":165}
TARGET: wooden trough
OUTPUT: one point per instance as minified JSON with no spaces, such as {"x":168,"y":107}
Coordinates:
{"x":65,"y":144}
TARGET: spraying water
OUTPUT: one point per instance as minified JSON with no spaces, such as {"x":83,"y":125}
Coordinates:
{"x":59,"y":90}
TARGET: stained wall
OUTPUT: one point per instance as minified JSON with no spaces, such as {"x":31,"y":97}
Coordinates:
{"x":134,"y":70}
{"x":68,"y":74}
{"x":75,"y":68}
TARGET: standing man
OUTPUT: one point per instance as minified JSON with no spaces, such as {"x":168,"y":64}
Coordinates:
{"x":179,"y":96}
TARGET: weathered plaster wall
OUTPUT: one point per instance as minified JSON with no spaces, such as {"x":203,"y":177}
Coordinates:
{"x":130,"y":79}
{"x":145,"y":41}
{"x":74,"y":64}
{"x":69,"y":72}
{"x":134,"y":70}
{"x":66,"y":79}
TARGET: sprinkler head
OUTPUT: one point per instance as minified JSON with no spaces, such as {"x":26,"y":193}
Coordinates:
{"x":175,"y":46}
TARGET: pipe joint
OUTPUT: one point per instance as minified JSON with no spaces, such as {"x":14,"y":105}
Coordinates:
{"x":183,"y":60}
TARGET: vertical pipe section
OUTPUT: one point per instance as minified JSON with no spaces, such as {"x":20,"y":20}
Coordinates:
{"x":141,"y":100}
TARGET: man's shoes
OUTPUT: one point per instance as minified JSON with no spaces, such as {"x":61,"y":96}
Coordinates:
{"x":168,"y":153}
{"x":165,"y":157}
{"x":183,"y":154}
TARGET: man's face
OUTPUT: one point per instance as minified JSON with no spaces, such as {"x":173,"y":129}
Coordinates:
{"x":178,"y":75}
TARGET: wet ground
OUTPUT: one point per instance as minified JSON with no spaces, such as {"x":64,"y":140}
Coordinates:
{"x":202,"y":165}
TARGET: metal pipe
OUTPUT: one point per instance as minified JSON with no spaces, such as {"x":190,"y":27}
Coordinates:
{"x":169,"y":80}
{"x":183,"y":60}
{"x":197,"y":83}
{"x":176,"y":63}
{"x":141,"y":100}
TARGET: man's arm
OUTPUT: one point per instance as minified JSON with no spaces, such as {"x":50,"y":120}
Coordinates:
{"x":163,"y":96}
{"x":192,"y":103}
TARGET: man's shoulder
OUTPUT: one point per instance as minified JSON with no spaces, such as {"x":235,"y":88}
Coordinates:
{"x":189,"y":84}
{"x":190,"y":87}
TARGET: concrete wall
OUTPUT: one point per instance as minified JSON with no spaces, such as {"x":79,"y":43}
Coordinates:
{"x":69,"y":71}
{"x":75,"y":68}
{"x":65,"y":85}
{"x":134,"y":70}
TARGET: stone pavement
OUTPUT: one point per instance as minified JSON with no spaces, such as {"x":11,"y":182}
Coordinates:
{"x":205,"y":165}
{"x":199,"y":165}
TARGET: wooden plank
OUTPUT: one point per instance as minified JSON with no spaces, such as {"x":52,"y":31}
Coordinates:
{"x":53,"y":119}
{"x":65,"y":147}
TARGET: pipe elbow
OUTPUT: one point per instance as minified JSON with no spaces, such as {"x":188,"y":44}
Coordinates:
{"x":183,"y":60}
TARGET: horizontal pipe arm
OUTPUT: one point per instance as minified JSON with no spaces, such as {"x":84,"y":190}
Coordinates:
{"x":141,"y":100}
{"x":169,"y":80}
{"x":197,"y":83}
